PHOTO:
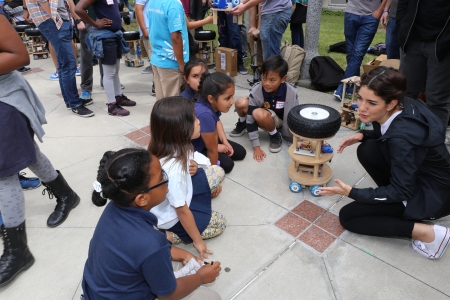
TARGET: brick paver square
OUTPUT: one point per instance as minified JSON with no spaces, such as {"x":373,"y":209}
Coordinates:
{"x":330,"y":222}
{"x":317,"y":238}
{"x":308,"y":210}
{"x":292,"y":224}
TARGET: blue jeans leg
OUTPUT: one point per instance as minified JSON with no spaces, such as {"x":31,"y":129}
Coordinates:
{"x":359,"y":32}
{"x":230,"y":34}
{"x":297,"y":35}
{"x":61,"y":41}
{"x":392,"y":46}
{"x":272,"y":29}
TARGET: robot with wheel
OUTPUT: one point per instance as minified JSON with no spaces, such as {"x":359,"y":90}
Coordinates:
{"x":311,"y":125}
{"x":37,"y":45}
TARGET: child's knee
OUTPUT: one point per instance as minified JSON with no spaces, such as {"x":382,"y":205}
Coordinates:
{"x":215,"y":175}
{"x":241,"y":104}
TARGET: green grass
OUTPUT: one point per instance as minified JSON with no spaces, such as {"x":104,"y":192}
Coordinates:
{"x":331,"y":32}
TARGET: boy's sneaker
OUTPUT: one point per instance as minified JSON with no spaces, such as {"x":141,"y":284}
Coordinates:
{"x":123,"y":100}
{"x":242,"y":70}
{"x":435,"y":249}
{"x":78,"y":71}
{"x":86,"y":95}
{"x":82,"y":111}
{"x":240,"y":129}
{"x":86,"y":102}
{"x":29,"y":183}
{"x":116,"y":110}
{"x":153,"y":89}
{"x":24,"y":69}
{"x":54,"y":76}
{"x":147,"y":70}
{"x":275,"y":142}
{"x":338,"y":97}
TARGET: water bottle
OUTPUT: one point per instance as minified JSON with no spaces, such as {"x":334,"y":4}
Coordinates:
{"x":138,"y":51}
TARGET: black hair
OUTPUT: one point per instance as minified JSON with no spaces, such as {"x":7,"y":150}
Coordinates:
{"x":275,"y":63}
{"x":122,"y":175}
{"x":386,"y":83}
{"x":214,"y":84}
{"x":194,"y":62}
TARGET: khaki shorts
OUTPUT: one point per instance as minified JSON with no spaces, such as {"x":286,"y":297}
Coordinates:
{"x":276,"y":119}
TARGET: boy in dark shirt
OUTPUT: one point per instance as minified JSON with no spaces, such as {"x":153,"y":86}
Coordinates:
{"x":267,"y":107}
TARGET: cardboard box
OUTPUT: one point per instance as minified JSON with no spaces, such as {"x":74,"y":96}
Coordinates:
{"x":226,"y":61}
{"x":392,"y":63}
{"x":374,"y":63}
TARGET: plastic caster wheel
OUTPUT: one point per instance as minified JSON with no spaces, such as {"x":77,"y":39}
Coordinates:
{"x":295,"y":187}
{"x":127,"y":64}
{"x":315,"y":190}
{"x":44,"y":56}
{"x":35,"y":57}
{"x":132,"y":64}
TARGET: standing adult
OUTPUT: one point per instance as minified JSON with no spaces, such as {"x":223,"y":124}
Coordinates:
{"x":297,"y":19}
{"x":424,"y":36}
{"x":392,"y":46}
{"x":361,"y":21}
{"x":52,"y":19}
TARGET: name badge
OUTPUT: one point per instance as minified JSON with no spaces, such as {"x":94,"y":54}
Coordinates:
{"x":279,"y":105}
{"x":110,"y":2}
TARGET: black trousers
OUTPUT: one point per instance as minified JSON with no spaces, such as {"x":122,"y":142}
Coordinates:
{"x":379,"y":219}
{"x":227,"y":162}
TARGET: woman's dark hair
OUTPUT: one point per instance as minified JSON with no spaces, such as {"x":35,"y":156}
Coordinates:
{"x":386,"y":83}
{"x":122,"y":175}
{"x":171,"y":127}
{"x":188,"y":67}
{"x":275,"y":63}
{"x":214,"y":84}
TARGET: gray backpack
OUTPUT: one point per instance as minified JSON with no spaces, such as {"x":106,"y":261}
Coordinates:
{"x":294,"y":55}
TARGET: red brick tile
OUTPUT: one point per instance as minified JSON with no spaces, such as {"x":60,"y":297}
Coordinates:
{"x":292,"y":224}
{"x":146,"y":129}
{"x":317,"y":238}
{"x":33,"y":70}
{"x":308,"y":210}
{"x":135,"y":135}
{"x":144,"y":141}
{"x":330,"y":223}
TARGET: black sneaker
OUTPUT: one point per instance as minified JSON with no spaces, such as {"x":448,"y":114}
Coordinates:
{"x":242,"y":70}
{"x":153,"y":89}
{"x":240,"y":129}
{"x":275,"y":142}
{"x":116,"y":110}
{"x":82,"y":111}
{"x":87,"y":101}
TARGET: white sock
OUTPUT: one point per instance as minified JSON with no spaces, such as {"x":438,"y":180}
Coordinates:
{"x":242,"y":119}
{"x":273,"y":132}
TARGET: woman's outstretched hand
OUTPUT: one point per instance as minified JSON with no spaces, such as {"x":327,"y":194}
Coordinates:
{"x":353,"y":139}
{"x":342,"y":189}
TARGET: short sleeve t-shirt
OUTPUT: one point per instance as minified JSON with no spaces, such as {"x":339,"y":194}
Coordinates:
{"x":274,"y":6}
{"x":166,"y":17}
{"x":103,"y":10}
{"x":362,"y":8}
{"x":188,"y":92}
{"x":128,"y":258}
{"x":208,"y":121}
{"x":180,"y":193}
{"x":143,"y":3}
{"x":277,"y":100}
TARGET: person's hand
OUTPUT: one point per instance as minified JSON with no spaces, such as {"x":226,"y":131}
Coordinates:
{"x":258,"y":154}
{"x":209,"y":272}
{"x":181,"y":68}
{"x":26,"y":16}
{"x":384,"y":19}
{"x":200,"y":246}
{"x":216,"y":192}
{"x":81,"y":26}
{"x":377,"y":14}
{"x":193,"y":167}
{"x":353,"y":139}
{"x":222,"y":148}
{"x":102,"y":23}
{"x":145,"y":33}
{"x":238,"y":10}
{"x":230,"y":150}
{"x":342,"y":189}
{"x":188,"y":256}
{"x":209,"y":19}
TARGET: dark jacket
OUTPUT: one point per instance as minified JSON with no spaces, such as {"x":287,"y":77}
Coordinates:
{"x":406,"y":14}
{"x":414,"y":147}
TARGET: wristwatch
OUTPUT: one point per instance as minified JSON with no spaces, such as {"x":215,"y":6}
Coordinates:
{"x":77,"y":21}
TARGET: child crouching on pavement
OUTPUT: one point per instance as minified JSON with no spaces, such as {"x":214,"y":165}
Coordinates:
{"x":267,"y":107}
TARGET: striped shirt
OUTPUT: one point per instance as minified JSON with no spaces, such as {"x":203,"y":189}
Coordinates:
{"x":38,"y":14}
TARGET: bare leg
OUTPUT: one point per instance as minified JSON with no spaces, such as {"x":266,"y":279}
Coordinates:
{"x":264,"y":119}
{"x":423,"y":232}
{"x":241,"y":106}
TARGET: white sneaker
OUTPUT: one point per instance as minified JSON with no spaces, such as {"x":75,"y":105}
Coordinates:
{"x":435,"y":249}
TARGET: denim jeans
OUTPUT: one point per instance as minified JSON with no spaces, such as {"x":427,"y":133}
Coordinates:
{"x":392,"y":46}
{"x":86,"y":64}
{"x":230,"y":34}
{"x":359,"y":32}
{"x":61,"y":41}
{"x":297,"y":35}
{"x":271,"y":31}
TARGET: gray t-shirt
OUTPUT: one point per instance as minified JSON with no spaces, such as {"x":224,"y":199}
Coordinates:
{"x":362,"y":7}
{"x":274,"y":6}
{"x":62,"y":11}
{"x":393,"y":9}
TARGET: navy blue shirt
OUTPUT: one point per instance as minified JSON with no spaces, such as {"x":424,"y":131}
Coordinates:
{"x":277,"y":100}
{"x":208,"y":121}
{"x":103,"y":10}
{"x":128,"y":257}
{"x":188,"y":92}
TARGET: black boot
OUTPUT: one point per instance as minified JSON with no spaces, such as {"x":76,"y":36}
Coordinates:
{"x":66,"y":199}
{"x":16,"y":255}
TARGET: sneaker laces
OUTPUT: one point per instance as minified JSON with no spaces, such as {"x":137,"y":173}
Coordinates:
{"x":276,"y":138}
{"x":419,"y":244}
{"x":51,"y":194}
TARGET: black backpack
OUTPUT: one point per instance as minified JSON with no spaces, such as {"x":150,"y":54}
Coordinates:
{"x":338,"y":47}
{"x":325,"y":73}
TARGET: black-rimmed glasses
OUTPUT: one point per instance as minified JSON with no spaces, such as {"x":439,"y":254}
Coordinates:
{"x":164,"y":180}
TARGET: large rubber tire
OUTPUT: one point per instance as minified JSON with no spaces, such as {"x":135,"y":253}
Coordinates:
{"x":131,"y":35}
{"x":314,"y":121}
{"x":32,"y":32}
{"x":205,"y":35}
{"x":21,"y":28}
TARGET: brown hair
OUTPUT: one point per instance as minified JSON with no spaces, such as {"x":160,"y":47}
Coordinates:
{"x":171,"y":127}
{"x":386,"y":83}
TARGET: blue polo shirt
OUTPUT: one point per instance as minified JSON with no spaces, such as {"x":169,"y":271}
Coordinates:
{"x":188,"y":92}
{"x":128,"y":258}
{"x":208,"y":121}
{"x":277,"y":100}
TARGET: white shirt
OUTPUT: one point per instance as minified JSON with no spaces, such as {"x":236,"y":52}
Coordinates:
{"x":180,"y":193}
{"x":385,"y":125}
